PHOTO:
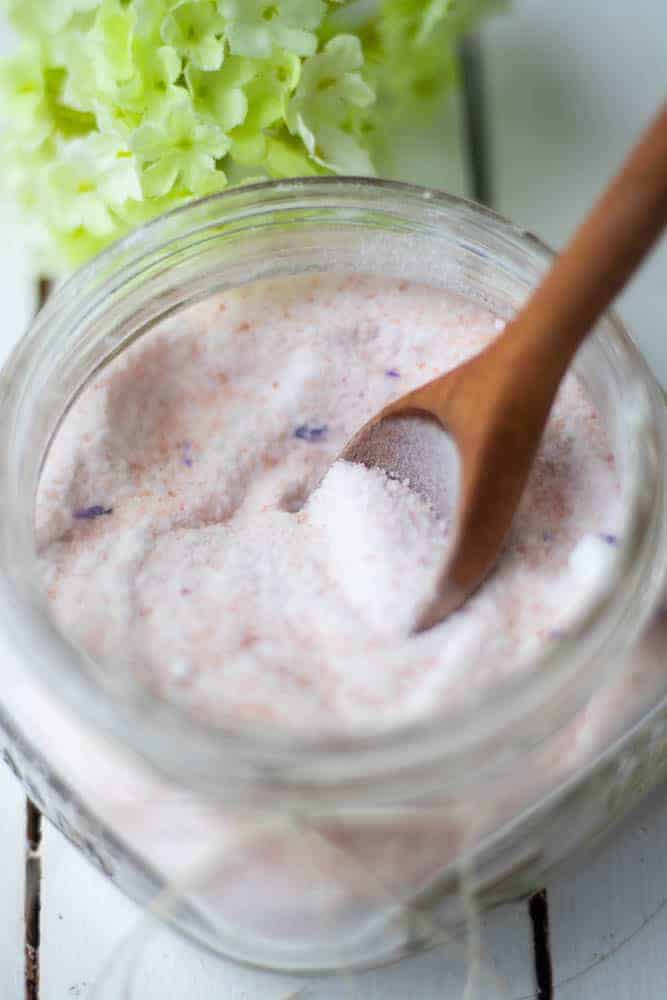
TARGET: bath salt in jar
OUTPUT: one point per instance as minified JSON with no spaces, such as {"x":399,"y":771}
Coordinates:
{"x":210,"y":683}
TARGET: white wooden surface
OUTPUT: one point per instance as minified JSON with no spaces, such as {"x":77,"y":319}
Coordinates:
{"x":86,"y":922}
{"x":16,"y":295}
{"x":12,"y":868}
{"x":569,"y":84}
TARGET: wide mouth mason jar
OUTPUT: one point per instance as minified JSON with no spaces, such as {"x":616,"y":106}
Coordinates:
{"x":300,"y":851}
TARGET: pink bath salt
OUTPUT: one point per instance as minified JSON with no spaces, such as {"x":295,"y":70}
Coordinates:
{"x":193,"y":520}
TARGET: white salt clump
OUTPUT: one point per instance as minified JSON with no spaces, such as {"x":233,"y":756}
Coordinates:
{"x":381,"y":544}
{"x":592,"y":562}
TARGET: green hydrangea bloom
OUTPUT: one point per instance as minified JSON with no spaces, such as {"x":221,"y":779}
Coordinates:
{"x":116,"y":110}
{"x":150,"y":16}
{"x":97,"y":61}
{"x":255,"y":27}
{"x":22,"y":81}
{"x":180,"y":147}
{"x":287,"y":158}
{"x":220,"y":97}
{"x":413,"y":47}
{"x":153,"y":83}
{"x":90,"y":179}
{"x":196,"y":31}
{"x":267,"y":88}
{"x":45,"y":17}
{"x":324,"y":111}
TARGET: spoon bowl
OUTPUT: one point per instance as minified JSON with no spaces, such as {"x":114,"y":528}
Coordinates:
{"x":416,"y":449}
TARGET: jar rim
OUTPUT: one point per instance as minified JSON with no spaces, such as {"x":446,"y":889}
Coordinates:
{"x":204,"y":757}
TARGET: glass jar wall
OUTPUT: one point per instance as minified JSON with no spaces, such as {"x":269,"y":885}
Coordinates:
{"x":305,"y":853}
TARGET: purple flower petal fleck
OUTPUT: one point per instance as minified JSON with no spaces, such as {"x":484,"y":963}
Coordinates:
{"x":311,"y":433}
{"x":609,"y":539}
{"x":393,"y":373}
{"x":186,"y":454}
{"x":90,"y":513}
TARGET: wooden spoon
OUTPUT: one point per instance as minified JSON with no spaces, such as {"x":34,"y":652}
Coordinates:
{"x":495,"y":406}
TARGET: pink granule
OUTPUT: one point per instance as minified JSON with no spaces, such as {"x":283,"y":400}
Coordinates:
{"x":179,"y":529}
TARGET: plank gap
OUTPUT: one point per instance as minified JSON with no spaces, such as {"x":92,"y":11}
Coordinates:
{"x":538,"y":909}
{"x":33,"y":835}
{"x":33,"y":899}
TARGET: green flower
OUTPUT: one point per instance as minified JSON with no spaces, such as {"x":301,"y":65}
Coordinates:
{"x":22,"y":173}
{"x":195,"y":30}
{"x":22,"y":86}
{"x":268,"y":91}
{"x":286,"y":157}
{"x":219,"y":96}
{"x":254,"y":27}
{"x":150,"y":15}
{"x":415,"y":42}
{"x":152,"y":85}
{"x":116,"y":110}
{"x":45,"y":17}
{"x":97,"y":61}
{"x":114,"y":31}
{"x":181,"y":148}
{"x":325,"y":110}
{"x":89,"y":180}
{"x":33,"y":102}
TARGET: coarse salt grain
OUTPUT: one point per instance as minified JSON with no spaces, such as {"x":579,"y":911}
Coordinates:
{"x":238,"y":589}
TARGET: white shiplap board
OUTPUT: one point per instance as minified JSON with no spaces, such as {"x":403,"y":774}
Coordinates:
{"x":570,"y":85}
{"x":17,"y":286}
{"x":12,"y":876}
{"x":609,"y":916}
{"x":92,"y":937}
{"x":16,"y":295}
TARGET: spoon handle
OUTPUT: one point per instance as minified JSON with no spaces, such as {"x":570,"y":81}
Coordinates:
{"x":496,"y":405}
{"x":601,"y":257}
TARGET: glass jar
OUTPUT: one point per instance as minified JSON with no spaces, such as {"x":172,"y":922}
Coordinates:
{"x":300,"y":853}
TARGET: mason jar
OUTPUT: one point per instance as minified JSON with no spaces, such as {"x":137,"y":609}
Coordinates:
{"x":297,"y":852}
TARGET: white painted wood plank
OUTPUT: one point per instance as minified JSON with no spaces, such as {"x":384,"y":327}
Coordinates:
{"x":570,"y":85}
{"x":16,"y":283}
{"x":609,"y":916}
{"x":17,"y":299}
{"x":94,"y":941}
{"x":169,"y":969}
{"x":12,"y":852}
{"x":84,"y":918}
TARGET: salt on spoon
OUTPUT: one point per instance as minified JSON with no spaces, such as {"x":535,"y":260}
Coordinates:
{"x":494,"y":408}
